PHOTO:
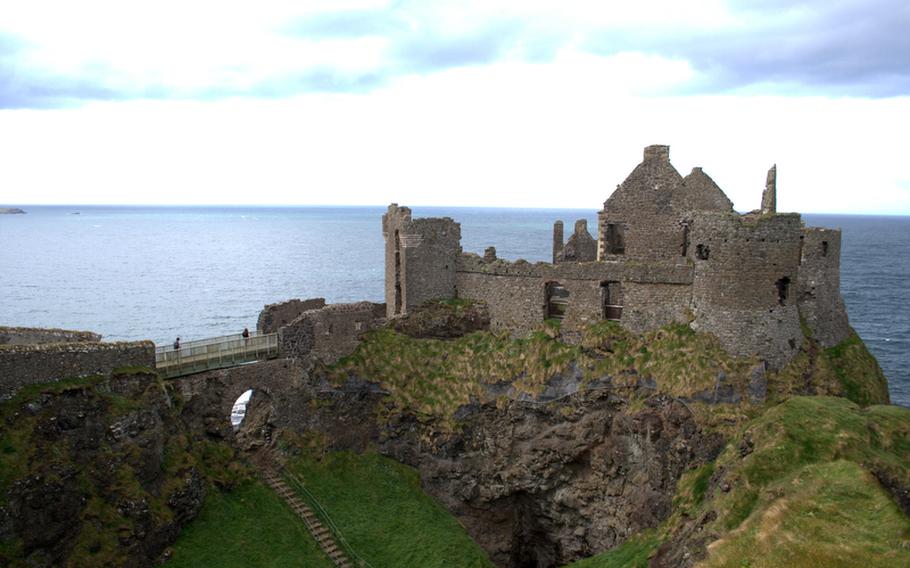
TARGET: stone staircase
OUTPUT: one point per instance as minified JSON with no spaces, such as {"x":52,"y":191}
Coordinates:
{"x":323,"y":536}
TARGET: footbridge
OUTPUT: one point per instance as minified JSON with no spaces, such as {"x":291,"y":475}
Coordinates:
{"x":214,"y":353}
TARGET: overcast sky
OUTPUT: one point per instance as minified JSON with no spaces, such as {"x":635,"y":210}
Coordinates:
{"x":519,"y":103}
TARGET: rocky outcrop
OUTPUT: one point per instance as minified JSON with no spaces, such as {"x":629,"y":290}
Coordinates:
{"x":536,"y":484}
{"x":443,"y":319}
{"x":96,"y":472}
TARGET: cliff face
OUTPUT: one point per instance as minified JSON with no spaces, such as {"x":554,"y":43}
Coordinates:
{"x":97,"y":471}
{"x":544,"y":484}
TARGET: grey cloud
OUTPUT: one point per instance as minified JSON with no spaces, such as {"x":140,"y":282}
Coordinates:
{"x":850,"y":48}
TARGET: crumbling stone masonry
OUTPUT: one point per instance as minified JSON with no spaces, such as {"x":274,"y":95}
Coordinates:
{"x":669,"y":249}
{"x":330,"y":332}
{"x":274,"y":316}
{"x":22,"y":365}
{"x":39,"y":335}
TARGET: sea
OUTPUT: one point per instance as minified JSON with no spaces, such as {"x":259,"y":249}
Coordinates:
{"x":196,"y":272}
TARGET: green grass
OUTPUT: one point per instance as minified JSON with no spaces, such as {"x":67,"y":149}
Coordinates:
{"x":633,"y":553}
{"x":249,"y":527}
{"x":383,"y":513}
{"x":805,"y":494}
{"x":847,"y":369}
{"x":432,"y":378}
{"x":830,"y":514}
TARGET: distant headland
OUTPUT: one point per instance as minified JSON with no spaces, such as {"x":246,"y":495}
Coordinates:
{"x":11,"y":211}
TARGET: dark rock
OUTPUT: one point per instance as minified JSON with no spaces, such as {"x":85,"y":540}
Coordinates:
{"x":443,"y":320}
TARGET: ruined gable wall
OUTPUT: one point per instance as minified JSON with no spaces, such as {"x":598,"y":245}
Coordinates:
{"x":701,"y":193}
{"x":644,"y":206}
{"x":735,"y":295}
{"x":329,"y":333}
{"x":818,"y":289}
{"x":274,"y":316}
{"x":420,"y":258}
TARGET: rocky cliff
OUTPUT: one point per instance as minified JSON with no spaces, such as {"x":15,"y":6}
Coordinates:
{"x":101,"y":471}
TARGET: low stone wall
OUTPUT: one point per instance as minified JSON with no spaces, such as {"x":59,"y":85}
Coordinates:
{"x":37,"y":335}
{"x":654,"y":293}
{"x":22,"y":365}
{"x":329,"y":333}
{"x":274,"y":316}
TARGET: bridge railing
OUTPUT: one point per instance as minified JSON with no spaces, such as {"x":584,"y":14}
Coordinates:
{"x":214,"y":353}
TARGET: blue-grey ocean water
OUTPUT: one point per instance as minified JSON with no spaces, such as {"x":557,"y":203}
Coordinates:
{"x":196,"y":272}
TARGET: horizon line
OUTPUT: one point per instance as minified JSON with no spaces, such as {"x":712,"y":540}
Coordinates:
{"x":298,"y":205}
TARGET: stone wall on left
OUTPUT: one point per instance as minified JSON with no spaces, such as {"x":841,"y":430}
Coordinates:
{"x":22,"y":365}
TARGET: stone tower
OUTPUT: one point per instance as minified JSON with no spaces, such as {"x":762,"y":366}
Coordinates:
{"x":420,"y":257}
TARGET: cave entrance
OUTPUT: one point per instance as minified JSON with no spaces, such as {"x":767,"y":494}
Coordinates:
{"x":557,"y":300}
{"x":238,"y":411}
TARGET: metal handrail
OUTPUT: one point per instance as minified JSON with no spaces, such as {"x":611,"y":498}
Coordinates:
{"x":214,"y":353}
{"x":321,"y":511}
{"x":208,"y":341}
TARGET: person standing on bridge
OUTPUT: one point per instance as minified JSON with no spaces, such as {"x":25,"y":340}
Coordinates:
{"x":246,"y":333}
{"x":176,"y":344}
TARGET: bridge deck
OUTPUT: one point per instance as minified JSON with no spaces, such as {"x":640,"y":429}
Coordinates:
{"x":214,"y":353}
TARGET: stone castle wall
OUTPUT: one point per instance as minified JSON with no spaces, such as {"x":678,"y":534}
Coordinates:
{"x":331,"y":332}
{"x":274,"y":316}
{"x":654,"y":293}
{"x":22,"y":365}
{"x":818,"y":287}
{"x":36,"y":335}
{"x":420,"y":258}
{"x":744,"y":292}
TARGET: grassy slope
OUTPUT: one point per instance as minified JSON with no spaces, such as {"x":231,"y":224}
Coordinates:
{"x":249,"y":527}
{"x":385,"y":516}
{"x":633,"y":553}
{"x":433,"y":378}
{"x":805,"y":495}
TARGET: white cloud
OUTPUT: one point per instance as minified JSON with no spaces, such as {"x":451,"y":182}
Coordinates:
{"x":513,"y":134}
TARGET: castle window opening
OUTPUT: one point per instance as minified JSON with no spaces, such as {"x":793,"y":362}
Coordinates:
{"x":783,"y":290}
{"x":238,"y":411}
{"x":702,"y":252}
{"x":611,"y":300}
{"x":824,"y":248}
{"x":557,"y":298}
{"x":397,"y":273}
{"x":616,"y":240}
{"x":684,"y":249}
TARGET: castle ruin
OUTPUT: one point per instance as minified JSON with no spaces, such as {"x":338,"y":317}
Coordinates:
{"x":669,"y":249}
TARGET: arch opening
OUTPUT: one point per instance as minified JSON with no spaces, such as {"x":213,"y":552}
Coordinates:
{"x":238,"y":411}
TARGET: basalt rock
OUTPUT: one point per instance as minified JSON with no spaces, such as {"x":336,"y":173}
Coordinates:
{"x":540,"y":484}
{"x":98,"y":474}
{"x":443,"y":320}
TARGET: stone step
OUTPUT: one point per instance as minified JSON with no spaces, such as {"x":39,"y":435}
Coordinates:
{"x":321,"y":534}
